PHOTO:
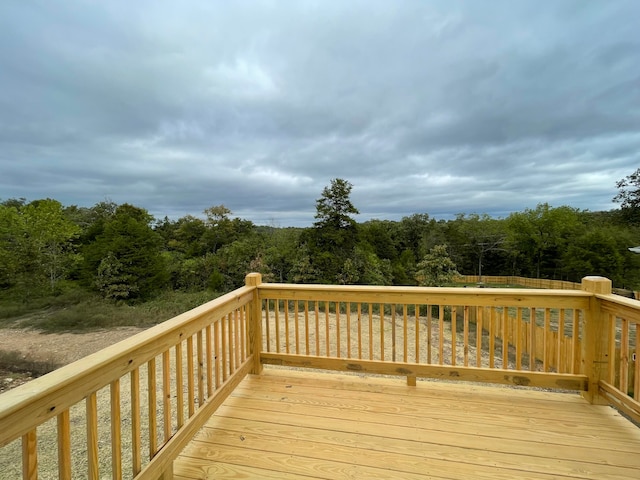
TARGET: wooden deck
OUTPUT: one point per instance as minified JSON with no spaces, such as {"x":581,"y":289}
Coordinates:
{"x":294,"y":424}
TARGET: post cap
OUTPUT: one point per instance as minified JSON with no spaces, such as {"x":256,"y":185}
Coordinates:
{"x":595,"y":284}
{"x":253,"y":279}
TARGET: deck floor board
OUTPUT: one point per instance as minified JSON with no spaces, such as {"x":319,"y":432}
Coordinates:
{"x":292,"y":424}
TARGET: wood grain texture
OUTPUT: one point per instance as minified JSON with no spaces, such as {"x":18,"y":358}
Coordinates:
{"x":301,"y":424}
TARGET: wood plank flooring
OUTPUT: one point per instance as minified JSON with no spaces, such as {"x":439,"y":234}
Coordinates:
{"x":291,"y":424}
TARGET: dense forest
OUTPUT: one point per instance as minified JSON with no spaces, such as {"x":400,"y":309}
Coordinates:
{"x":123,"y":254}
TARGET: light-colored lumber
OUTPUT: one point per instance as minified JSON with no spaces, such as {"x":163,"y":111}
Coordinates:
{"x":30,"y":456}
{"x":191,"y":388}
{"x":470,"y":374}
{"x":636,"y":381}
{"x":317,"y":425}
{"x":209,"y":358}
{"x":217,"y":361}
{"x":31,"y":404}
{"x":595,"y":361}
{"x":223,"y":353}
{"x":166,"y":394}
{"x":116,"y":433}
{"x":287,"y":341}
{"x":153,"y":408}
{"x":624,"y":356}
{"x":92,"y":437}
{"x":136,"y":448}
{"x":601,"y":347}
{"x":64,"y":445}
{"x":179,"y":385}
{"x":624,"y":402}
{"x":435,"y":295}
{"x":165,"y":457}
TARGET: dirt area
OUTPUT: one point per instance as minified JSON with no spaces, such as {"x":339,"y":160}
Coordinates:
{"x":53,"y":349}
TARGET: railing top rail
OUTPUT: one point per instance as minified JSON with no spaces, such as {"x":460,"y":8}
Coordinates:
{"x":45,"y":397}
{"x":522,"y":297}
{"x":624,"y":307}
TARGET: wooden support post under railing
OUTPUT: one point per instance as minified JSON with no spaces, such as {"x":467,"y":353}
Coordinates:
{"x":595,"y":356}
{"x":255,"y":322}
{"x":168,"y":473}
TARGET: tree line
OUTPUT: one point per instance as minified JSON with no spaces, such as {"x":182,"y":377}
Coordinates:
{"x":125,"y":254}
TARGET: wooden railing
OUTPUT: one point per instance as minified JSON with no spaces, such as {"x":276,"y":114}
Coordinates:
{"x":486,"y":335}
{"x":521,"y":281}
{"x":620,"y":384}
{"x":562,"y":339}
{"x":134,"y":404}
{"x":527,"y":282}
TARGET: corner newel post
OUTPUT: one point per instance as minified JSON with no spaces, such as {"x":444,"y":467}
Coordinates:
{"x":255,"y":322}
{"x":595,"y":355}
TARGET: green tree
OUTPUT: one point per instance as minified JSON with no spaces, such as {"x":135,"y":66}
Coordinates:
{"x":414,"y":236}
{"x":303,"y":269}
{"x":112,"y":280}
{"x":415,"y":232}
{"x":629,"y":197}
{"x":235,"y":259}
{"x":10,"y":235}
{"x":381,"y":236}
{"x":372,"y":270}
{"x":541,"y":237}
{"x":222,"y":230}
{"x":92,"y":220}
{"x":127,"y":250}
{"x":480,"y":243}
{"x":404,"y":269}
{"x":280,"y":251}
{"x":198,"y":274}
{"x":603,"y":250}
{"x":436,"y":269}
{"x":334,"y":207}
{"x":37,"y":245}
{"x":333,"y":237}
{"x":188,"y":237}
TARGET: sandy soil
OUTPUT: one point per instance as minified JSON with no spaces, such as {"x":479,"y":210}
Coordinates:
{"x":54,"y":348}
{"x":61,"y":349}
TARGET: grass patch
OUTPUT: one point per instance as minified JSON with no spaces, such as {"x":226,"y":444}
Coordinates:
{"x":78,"y":311}
{"x":16,"y":362}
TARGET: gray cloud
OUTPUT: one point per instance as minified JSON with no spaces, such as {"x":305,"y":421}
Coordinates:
{"x":425,"y":107}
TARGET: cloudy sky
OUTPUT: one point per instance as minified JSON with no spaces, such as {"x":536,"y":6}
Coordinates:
{"x":438,"y":107}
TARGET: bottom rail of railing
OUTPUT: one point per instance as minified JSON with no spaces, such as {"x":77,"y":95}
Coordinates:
{"x":620,"y":400}
{"x":561,"y":381}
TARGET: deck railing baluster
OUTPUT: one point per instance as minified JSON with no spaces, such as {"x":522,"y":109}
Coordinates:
{"x":348,"y":319}
{"x":624,"y":356}
{"x":64,"y":445}
{"x":116,"y":434}
{"x":179,"y":385}
{"x":136,"y":447}
{"x":466,"y":336}
{"x":30,"y":455}
{"x":92,"y":437}
{"x":226,"y":349}
{"x":209,"y":359}
{"x":306,"y":327}
{"x":454,"y":333}
{"x":191,"y":387}
{"x":200,"y":366}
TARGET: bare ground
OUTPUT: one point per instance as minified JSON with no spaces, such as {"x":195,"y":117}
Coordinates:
{"x":55,"y":349}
